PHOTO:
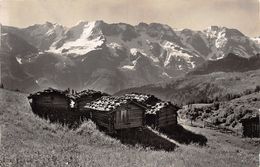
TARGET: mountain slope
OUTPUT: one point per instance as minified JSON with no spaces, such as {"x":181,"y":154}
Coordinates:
{"x":12,"y":52}
{"x":41,"y":36}
{"x":112,"y":57}
{"x":202,"y":88}
{"x":216,"y":42}
{"x":230,"y":63}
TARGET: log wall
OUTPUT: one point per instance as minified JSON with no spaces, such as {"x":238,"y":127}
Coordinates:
{"x":113,"y":120}
{"x":251,"y":129}
{"x":134,"y":114}
{"x":56,"y":108}
{"x":52,"y":101}
{"x":103,"y":119}
{"x":167,"y":117}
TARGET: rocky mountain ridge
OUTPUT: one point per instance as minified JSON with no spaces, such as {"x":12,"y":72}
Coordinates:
{"x":111,"y":57}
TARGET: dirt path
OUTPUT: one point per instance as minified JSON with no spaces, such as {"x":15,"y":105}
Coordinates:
{"x":223,"y":141}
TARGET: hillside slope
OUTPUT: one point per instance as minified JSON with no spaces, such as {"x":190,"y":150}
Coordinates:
{"x":27,"y":140}
{"x":202,"y":88}
{"x":230,"y":63}
{"x":225,"y":114}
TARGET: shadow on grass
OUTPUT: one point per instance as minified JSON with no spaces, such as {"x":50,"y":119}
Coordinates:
{"x":144,"y":137}
{"x":69,"y":119}
{"x":184,"y":136}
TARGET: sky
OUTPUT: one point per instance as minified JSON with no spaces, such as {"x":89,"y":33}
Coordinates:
{"x":194,"y":14}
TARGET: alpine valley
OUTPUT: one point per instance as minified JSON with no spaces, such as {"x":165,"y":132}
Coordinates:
{"x":113,"y":57}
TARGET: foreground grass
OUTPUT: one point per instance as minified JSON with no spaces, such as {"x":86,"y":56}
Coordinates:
{"x":27,"y":140}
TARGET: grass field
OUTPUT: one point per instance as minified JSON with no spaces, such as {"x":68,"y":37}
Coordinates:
{"x":27,"y":140}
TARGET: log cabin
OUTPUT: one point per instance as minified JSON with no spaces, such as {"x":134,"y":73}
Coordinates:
{"x":84,"y":97}
{"x":87,"y":96}
{"x":116,"y":113}
{"x":162,"y":115}
{"x":53,"y":104}
{"x":158,"y":114}
{"x":251,"y":127}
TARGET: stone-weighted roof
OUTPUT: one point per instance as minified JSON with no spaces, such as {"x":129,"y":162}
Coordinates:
{"x":52,"y":91}
{"x":88,"y":93}
{"x":149,"y":102}
{"x":107,"y":103}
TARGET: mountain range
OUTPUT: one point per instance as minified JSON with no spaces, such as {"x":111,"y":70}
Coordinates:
{"x":112,"y":57}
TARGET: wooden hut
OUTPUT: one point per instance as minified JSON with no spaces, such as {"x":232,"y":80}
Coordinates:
{"x":56,"y":105}
{"x":84,"y":97}
{"x":158,"y":114}
{"x":162,"y":115}
{"x":116,"y":113}
{"x":251,"y":127}
{"x":87,"y":96}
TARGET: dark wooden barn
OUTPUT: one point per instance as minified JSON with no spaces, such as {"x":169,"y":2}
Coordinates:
{"x":158,"y":114}
{"x":116,"y":113}
{"x":251,"y":127}
{"x":53,"y":104}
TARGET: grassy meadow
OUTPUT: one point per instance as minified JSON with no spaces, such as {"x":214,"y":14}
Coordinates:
{"x":27,"y":140}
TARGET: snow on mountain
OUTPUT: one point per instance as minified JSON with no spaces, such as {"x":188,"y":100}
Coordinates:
{"x":216,"y":42}
{"x":224,"y":40}
{"x":134,"y":51}
{"x":177,"y":52}
{"x":47,"y":29}
{"x":111,"y":57}
{"x":79,"y":40}
{"x":195,"y":41}
{"x":42,"y":36}
{"x":152,"y":42}
{"x":19,"y":60}
{"x":256,"y":40}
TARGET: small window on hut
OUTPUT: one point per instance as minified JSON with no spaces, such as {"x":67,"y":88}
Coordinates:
{"x":124,"y":116}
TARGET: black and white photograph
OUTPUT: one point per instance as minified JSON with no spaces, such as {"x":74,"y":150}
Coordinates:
{"x":129,"y":83}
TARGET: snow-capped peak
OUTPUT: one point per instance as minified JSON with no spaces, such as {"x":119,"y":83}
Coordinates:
{"x":83,"y":39}
{"x":256,"y":40}
{"x":214,"y":31}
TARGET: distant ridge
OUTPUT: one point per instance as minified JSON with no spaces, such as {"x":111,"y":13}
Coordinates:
{"x":230,"y":63}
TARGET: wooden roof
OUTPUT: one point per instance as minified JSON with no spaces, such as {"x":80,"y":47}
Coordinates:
{"x":159,"y":106}
{"x":250,"y":119}
{"x":149,"y":102}
{"x":152,"y":103}
{"x":66,"y":93}
{"x":51,"y":91}
{"x":88,"y":93}
{"x":144,"y":99}
{"x":109,"y":103}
